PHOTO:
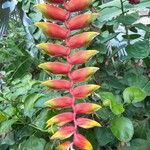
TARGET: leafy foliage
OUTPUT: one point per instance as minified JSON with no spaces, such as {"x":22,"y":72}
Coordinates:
{"x":124,"y":76}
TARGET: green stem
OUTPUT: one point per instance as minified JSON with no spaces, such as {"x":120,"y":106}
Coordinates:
{"x":126,"y":27}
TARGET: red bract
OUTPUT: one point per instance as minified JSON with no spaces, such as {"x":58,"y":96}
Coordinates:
{"x":57,"y":84}
{"x":64,"y":133}
{"x":83,"y":74}
{"x":54,"y":49}
{"x":87,"y":123}
{"x":60,"y":102}
{"x":64,"y":146}
{"x":81,"y":39}
{"x":77,"y":5}
{"x":81,"y":142}
{"x":69,"y":122}
{"x":56,"y":67}
{"x":53,"y":12}
{"x":56,"y":1}
{"x":81,"y":21}
{"x":86,"y":108}
{"x":84,"y":90}
{"x":134,"y":1}
{"x":53,"y":30}
{"x":61,"y":119}
{"x":81,"y":57}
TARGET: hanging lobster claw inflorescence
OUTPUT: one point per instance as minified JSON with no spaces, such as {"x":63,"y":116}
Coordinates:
{"x":69,"y":122}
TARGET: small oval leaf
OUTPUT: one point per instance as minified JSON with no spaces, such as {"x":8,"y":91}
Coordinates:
{"x":122,"y":128}
{"x":133,"y":95}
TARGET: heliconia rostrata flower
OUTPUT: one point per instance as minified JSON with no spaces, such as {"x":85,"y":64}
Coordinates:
{"x":68,"y":122}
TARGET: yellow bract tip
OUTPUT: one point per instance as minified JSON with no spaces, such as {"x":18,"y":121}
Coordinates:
{"x":40,"y":7}
{"x":91,"y":53}
{"x":47,"y":103}
{"x":42,"y":25}
{"x":94,"y":69}
{"x":94,"y":16}
{"x":43,"y":65}
{"x":41,"y":46}
{"x":47,"y":83}
{"x":94,"y":86}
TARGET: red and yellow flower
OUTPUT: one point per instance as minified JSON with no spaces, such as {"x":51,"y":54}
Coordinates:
{"x":69,"y":121}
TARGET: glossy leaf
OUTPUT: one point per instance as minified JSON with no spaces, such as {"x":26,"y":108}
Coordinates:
{"x":122,"y":128}
{"x":133,"y":95}
{"x":111,"y":100}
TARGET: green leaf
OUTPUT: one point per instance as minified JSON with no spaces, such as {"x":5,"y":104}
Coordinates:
{"x":139,"y":50}
{"x":50,"y":146}
{"x":122,"y":128}
{"x":29,"y":104}
{"x":105,"y":113}
{"x":111,"y":100}
{"x":8,"y":139}
{"x":41,"y":119}
{"x":142,"y":26}
{"x":138,"y":144}
{"x":133,"y":94}
{"x":103,"y":135}
{"x":128,"y":19}
{"x":33,"y":143}
{"x":10,"y":111}
{"x":141,"y":128}
{"x":112,"y":9}
{"x":3,"y":116}
{"x":146,"y":88}
{"x":131,"y":36}
{"x":6,"y":125}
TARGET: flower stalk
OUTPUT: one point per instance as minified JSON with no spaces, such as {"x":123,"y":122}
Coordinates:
{"x":69,"y":122}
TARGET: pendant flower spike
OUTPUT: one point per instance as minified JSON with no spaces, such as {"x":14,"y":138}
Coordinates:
{"x":69,"y":122}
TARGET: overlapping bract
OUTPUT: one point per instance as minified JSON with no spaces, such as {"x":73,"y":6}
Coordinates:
{"x":81,"y":21}
{"x":54,"y":49}
{"x":50,"y":29}
{"x":53,"y":12}
{"x":77,"y":5}
{"x":68,"y":122}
